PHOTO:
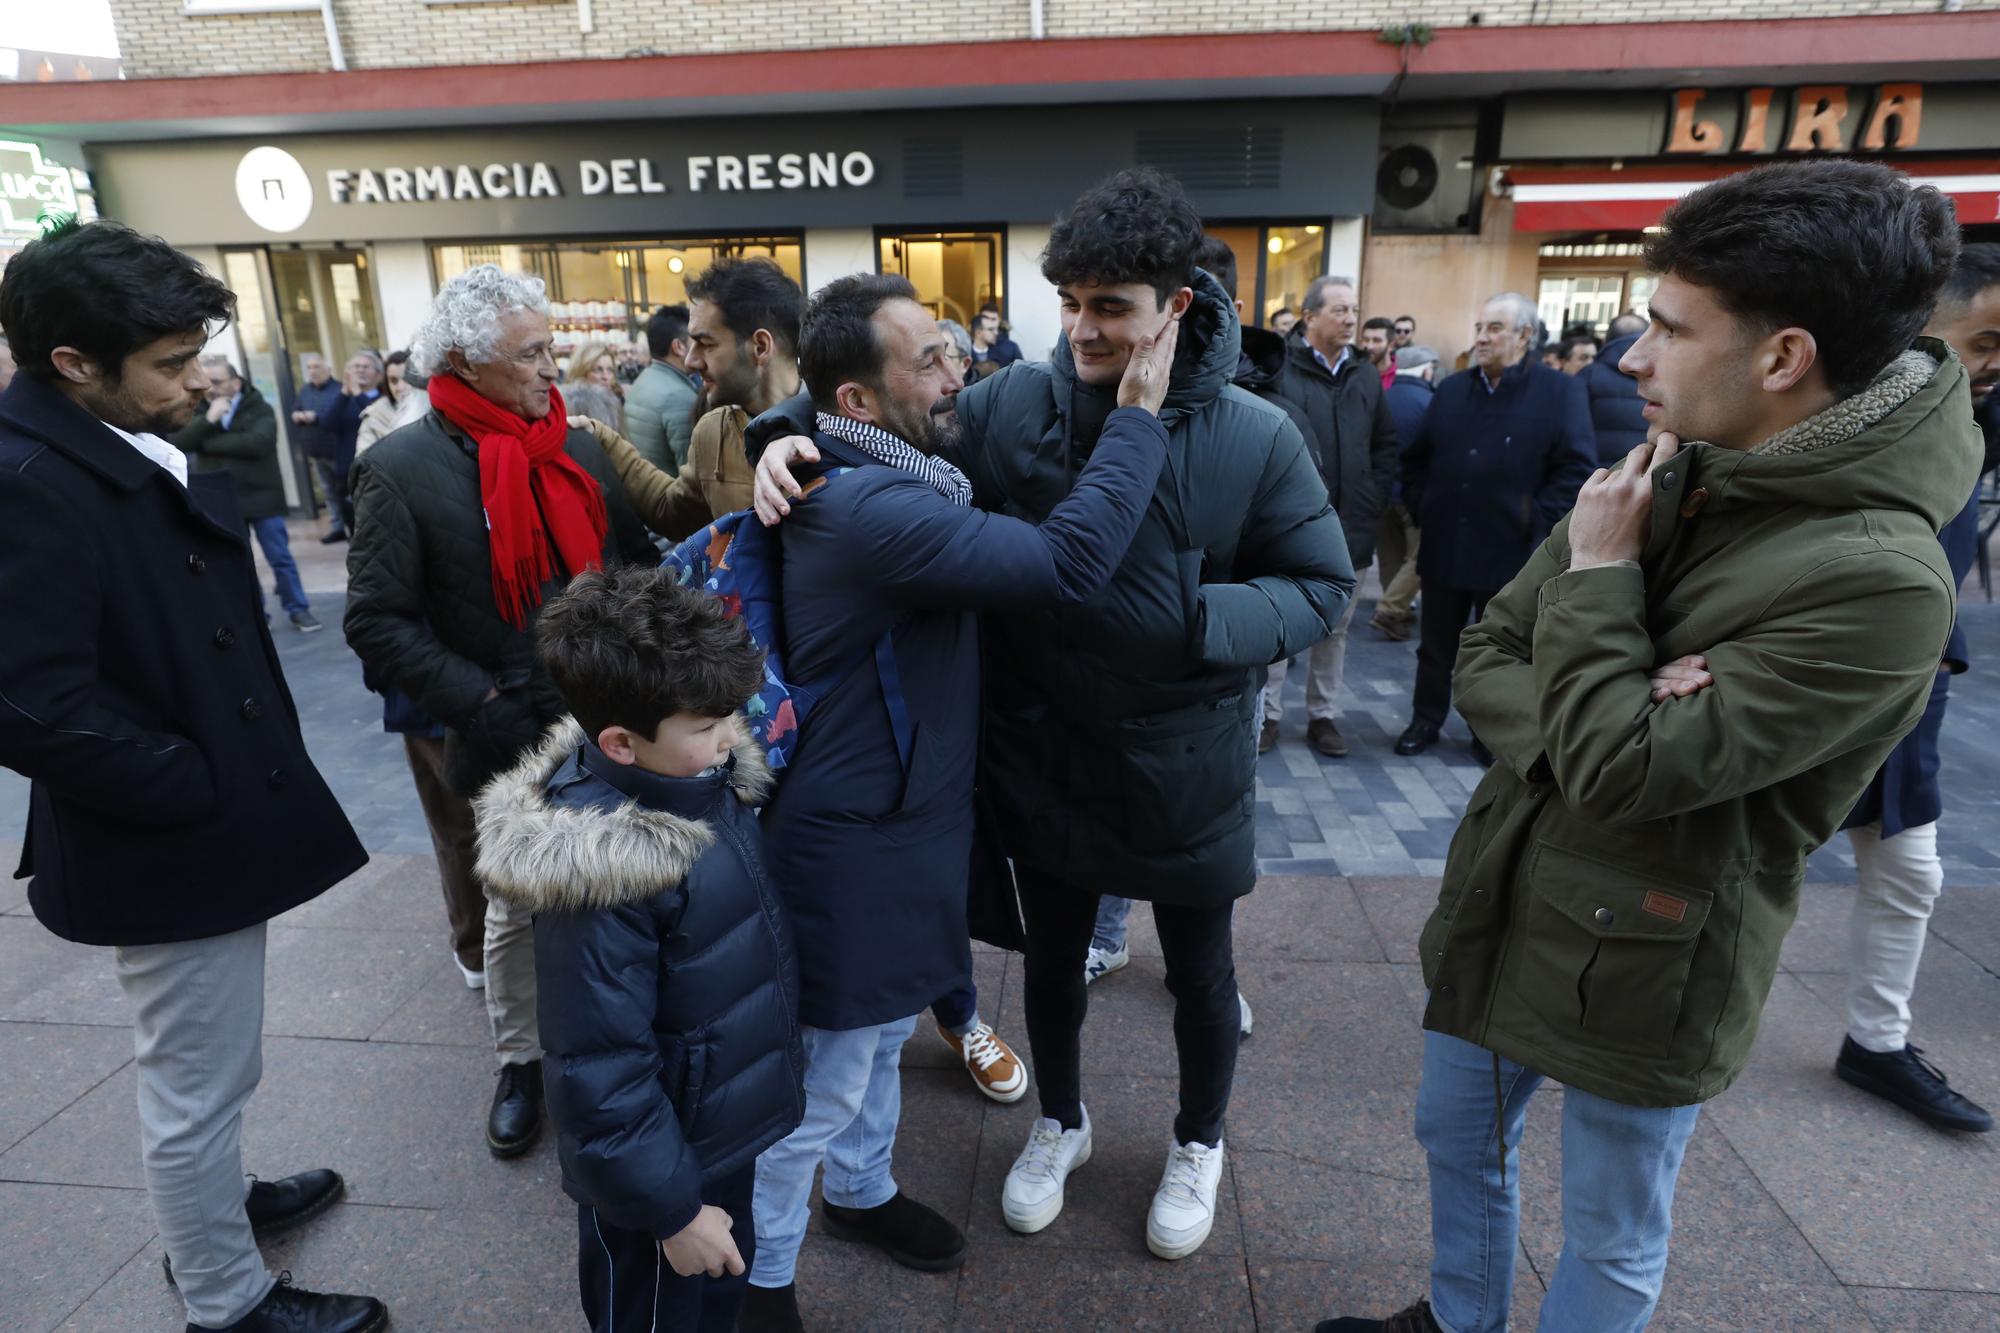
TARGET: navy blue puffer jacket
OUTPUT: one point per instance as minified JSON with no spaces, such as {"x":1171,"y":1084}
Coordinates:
{"x":1615,"y":406}
{"x":668,"y":982}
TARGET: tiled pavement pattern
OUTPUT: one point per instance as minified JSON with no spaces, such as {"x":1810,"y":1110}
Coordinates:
{"x":1804,"y":1205}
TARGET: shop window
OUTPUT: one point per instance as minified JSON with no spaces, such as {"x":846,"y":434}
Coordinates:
{"x":607,"y":289}
{"x":1274,"y":265}
{"x":954,"y":272}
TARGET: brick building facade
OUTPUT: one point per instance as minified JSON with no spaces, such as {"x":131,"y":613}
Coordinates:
{"x":164,"y":39}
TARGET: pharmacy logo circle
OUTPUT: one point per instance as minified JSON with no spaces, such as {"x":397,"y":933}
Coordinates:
{"x":274,"y":189}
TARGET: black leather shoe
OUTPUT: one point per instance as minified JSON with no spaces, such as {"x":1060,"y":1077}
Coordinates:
{"x":1913,"y":1083}
{"x":290,"y":1309}
{"x":911,"y":1234}
{"x":277,"y":1206}
{"x":1417,"y":737}
{"x":1416,"y":1319}
{"x":516,"y":1118}
{"x":770,"y":1310}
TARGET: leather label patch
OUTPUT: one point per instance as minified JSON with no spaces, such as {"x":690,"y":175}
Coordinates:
{"x":1665,"y":905}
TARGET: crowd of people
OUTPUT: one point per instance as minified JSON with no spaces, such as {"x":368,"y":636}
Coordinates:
{"x":1026,"y":626}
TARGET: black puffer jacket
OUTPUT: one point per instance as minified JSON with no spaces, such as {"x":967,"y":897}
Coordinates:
{"x":1616,"y":410}
{"x":1118,"y":748}
{"x":668,"y":986}
{"x":1353,"y":437}
{"x":420,"y":610}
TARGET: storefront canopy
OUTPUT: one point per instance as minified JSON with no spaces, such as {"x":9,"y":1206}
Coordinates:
{"x":1605,"y":198}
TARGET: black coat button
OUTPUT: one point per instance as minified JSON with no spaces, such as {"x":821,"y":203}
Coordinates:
{"x":196,"y":564}
{"x":277,"y":780}
{"x":252,"y":709}
{"x":1480,"y":896}
{"x":1602,"y":916}
{"x":225,"y":637}
{"x":1667,"y":480}
{"x":1446,"y":991}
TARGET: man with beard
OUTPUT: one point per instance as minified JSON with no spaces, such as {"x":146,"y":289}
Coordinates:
{"x":174,"y":810}
{"x":870,"y":834}
{"x":1893,"y":832}
{"x":1116,"y":751}
{"x":743,"y":340}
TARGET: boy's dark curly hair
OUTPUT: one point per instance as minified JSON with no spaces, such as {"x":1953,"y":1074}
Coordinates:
{"x":631,"y":647}
{"x":1136,"y":227}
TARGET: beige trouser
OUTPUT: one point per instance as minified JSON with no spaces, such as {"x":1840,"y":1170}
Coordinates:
{"x":1397,"y":538}
{"x":1324,"y":666}
{"x":510,"y":982}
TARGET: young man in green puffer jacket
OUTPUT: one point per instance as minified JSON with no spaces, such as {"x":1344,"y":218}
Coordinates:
{"x":1687,"y":688}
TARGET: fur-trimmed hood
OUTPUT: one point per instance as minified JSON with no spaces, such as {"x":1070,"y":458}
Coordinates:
{"x":542,"y":855}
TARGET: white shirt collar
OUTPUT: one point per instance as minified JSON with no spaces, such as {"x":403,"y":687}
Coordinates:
{"x":157,"y":449}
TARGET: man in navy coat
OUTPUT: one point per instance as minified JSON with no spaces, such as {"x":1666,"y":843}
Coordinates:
{"x":174,"y":810}
{"x":886,"y":567}
{"x":1504,"y":449}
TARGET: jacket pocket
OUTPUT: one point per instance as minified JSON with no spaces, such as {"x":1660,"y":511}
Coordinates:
{"x":1608,"y":950}
{"x":1186,"y":776}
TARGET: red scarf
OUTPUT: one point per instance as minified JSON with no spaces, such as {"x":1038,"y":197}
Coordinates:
{"x":536,"y":496}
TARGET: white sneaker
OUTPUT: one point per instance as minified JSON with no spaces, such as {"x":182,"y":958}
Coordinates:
{"x":473,"y":980}
{"x":1103,"y":962}
{"x":1243,"y":1007}
{"x":1033,"y":1197}
{"x":1184,"y":1205}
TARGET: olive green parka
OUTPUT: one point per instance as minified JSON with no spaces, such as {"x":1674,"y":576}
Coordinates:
{"x":1617,"y":892}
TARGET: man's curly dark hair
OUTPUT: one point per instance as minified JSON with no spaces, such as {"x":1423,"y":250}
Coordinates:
{"x":1136,"y":227}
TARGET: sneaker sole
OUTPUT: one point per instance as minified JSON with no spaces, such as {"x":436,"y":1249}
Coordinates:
{"x":1005,"y":1098}
{"x":1029,"y":1223}
{"x":841,"y":1231}
{"x":1162,"y":1250}
{"x":1926,"y":1114}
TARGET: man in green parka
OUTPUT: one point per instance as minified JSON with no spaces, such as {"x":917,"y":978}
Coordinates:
{"x":1687,"y":688}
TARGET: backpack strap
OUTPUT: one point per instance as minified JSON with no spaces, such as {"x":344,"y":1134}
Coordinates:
{"x":892,"y":695}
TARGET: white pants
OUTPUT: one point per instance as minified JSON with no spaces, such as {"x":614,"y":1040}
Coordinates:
{"x":1323,"y":671}
{"x":1900,"y":880}
{"x":199,"y":1038}
{"x":510,"y":982}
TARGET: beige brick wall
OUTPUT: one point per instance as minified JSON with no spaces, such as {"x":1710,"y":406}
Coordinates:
{"x":158,"y":40}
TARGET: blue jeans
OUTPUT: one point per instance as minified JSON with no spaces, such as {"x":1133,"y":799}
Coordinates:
{"x":1110,"y":932}
{"x":854,"y":1097}
{"x":277,"y":543}
{"x":1619,"y":1165}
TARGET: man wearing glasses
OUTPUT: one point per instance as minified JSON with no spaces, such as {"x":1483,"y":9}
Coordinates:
{"x":465,"y":522}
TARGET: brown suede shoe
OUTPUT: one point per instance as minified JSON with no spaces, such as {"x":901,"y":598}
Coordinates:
{"x":1267,"y":739}
{"x":1396,"y":628}
{"x":1325,"y":737}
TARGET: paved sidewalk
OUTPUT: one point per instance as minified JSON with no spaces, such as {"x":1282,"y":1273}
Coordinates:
{"x":1804,"y":1204}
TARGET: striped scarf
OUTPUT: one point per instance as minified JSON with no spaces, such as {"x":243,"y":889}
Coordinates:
{"x":897,"y":452}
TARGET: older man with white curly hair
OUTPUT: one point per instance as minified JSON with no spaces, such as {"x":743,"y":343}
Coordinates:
{"x":465,"y":522}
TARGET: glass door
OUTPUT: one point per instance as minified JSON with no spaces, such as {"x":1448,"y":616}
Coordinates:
{"x":261,"y":356}
{"x":955,"y":273}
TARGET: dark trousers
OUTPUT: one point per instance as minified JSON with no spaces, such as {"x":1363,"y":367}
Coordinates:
{"x":1201,"y":976}
{"x":449,"y":816}
{"x":957,"y":1009}
{"x":339,"y":504}
{"x":272,"y":535}
{"x":1444,"y":613}
{"x":629,"y":1287}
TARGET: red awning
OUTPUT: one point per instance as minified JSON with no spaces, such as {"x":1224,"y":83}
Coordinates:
{"x":1632,"y":199}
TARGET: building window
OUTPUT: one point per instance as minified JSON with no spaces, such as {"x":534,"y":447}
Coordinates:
{"x":1275,"y":263}
{"x":608,"y":289}
{"x":1592,"y":281}
{"x":954,"y":272}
